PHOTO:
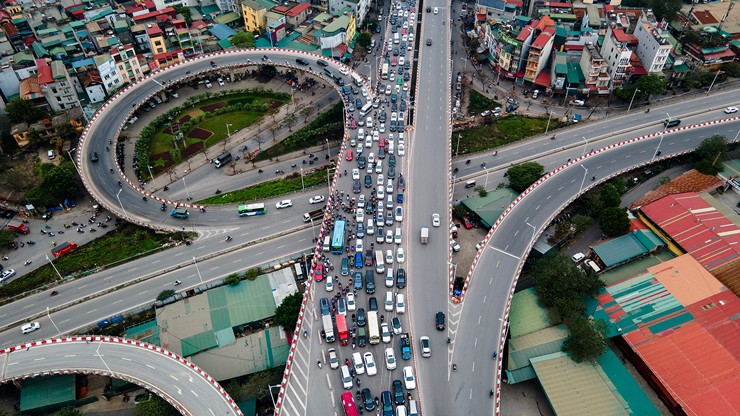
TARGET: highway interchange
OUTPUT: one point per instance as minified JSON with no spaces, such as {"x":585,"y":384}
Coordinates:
{"x":465,"y":393}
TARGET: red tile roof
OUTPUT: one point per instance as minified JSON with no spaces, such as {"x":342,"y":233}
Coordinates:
{"x":543,"y":38}
{"x":524,"y":34}
{"x":558,"y":4}
{"x":282,"y":9}
{"x":167,"y":11}
{"x":705,"y":17}
{"x":543,"y":79}
{"x":154,"y":30}
{"x":295,"y":11}
{"x":620,"y":36}
{"x":727,"y":53}
{"x":44,"y":72}
{"x":697,"y":227}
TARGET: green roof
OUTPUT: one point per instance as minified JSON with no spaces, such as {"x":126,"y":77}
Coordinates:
{"x":47,"y":31}
{"x":39,"y":50}
{"x":22,"y":57}
{"x":490,"y":207}
{"x":146,"y":332}
{"x":526,"y":315}
{"x":44,"y":394}
{"x":197,"y":343}
{"x":627,"y":247}
{"x":228,"y":18}
{"x":338,"y":25}
{"x":224,"y":44}
{"x":210,"y":9}
{"x":574,"y":76}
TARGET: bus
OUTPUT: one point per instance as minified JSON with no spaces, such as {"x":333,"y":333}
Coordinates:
{"x":384,"y":73}
{"x":337,"y":240}
{"x":251,"y":209}
{"x":342,"y":329}
{"x":356,"y":79}
{"x":348,"y":402}
{"x":372,"y":326}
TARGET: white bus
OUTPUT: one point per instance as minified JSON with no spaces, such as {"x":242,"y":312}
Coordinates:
{"x":364,"y":110}
{"x":384,"y":73}
{"x":372,"y":327}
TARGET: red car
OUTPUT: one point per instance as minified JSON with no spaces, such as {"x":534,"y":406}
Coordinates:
{"x":393,"y":61}
{"x":318,"y":273}
{"x":382,"y":142}
{"x":466,"y":222}
{"x":353,"y":124}
{"x":350,"y":156}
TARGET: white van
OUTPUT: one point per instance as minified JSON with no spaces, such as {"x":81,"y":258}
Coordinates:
{"x":298,"y":271}
{"x":346,"y":378}
{"x":396,"y":38}
{"x":370,"y":229}
{"x":592,"y":264}
{"x":365,"y":109}
{"x":401,"y":410}
{"x":379,"y":263}
{"x":327,"y":243}
{"x":329,"y":283}
{"x":397,"y":236}
{"x":413,"y":411}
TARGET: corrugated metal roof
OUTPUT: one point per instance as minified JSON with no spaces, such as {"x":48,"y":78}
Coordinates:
{"x":697,"y":227}
{"x":545,"y":341}
{"x":526,"y":316}
{"x":626,"y":247}
{"x":197,"y":343}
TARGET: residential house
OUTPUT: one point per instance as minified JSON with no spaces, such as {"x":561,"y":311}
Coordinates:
{"x":359,"y":8}
{"x":653,"y":48}
{"x":275,"y":26}
{"x":539,"y":54}
{"x":253,"y":13}
{"x":336,"y":34}
{"x":595,"y":69}
{"x":295,"y":13}
{"x":496,"y":10}
{"x":108,"y":72}
{"x":58,"y":89}
{"x":127,"y":64}
{"x":24,"y":65}
{"x":94,"y":87}
{"x":617,"y":50}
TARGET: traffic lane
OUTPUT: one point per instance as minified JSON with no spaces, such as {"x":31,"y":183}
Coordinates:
{"x":197,"y":394}
{"x":141,"y":293}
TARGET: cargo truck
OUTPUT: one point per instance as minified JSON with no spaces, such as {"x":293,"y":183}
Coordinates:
{"x":18,"y":227}
{"x":328,"y":328}
{"x":222,"y":159}
{"x":63,"y":249}
{"x":313,"y":215}
{"x":424,"y":235}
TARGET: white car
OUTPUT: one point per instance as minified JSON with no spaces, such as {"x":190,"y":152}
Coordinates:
{"x":379,"y":169}
{"x":400,"y":258}
{"x":360,"y":215}
{"x":30,"y":327}
{"x":408,"y":378}
{"x":351,"y":303}
{"x":7,"y":274}
{"x":361,"y":201}
{"x":426,"y":347}
{"x":355,"y":174}
{"x":390,"y":359}
{"x":208,"y":84}
{"x":435,"y":220}
{"x":343,"y":71}
{"x":372,"y":369}
{"x":368,"y":141}
{"x":381,"y":191}
{"x":455,"y":246}
{"x":371,"y":158}
{"x":389,"y":186}
{"x":389,"y":254}
{"x":220,"y":82}
{"x":333,"y":359}
{"x":369,"y":122}
{"x":389,"y":278}
{"x":436,"y":10}
{"x":388,"y":304}
{"x":394,"y":116}
{"x":320,"y":198}
{"x":388,"y":90}
{"x":385,"y":333}
{"x":382,"y":127}
{"x":578,"y":257}
{"x":359,"y":365}
{"x":401,"y":150}
{"x":376,"y":135}
{"x":730,"y":110}
{"x":400,"y":304}
{"x":364,"y":92}
{"x":285,"y":203}
{"x":389,"y":240}
{"x":399,"y":214}
{"x":346,"y":378}
{"x":380,"y":180}
{"x":358,"y":245}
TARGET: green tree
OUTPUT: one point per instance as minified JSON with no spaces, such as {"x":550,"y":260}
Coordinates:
{"x":165,"y":294}
{"x":243,"y":40}
{"x":252,"y":274}
{"x":286,"y":315}
{"x":581,"y":222}
{"x":524,"y":174}
{"x":732,"y":69}
{"x":481,"y":191}
{"x":650,"y":84}
{"x":266,"y":72}
{"x":614,"y":221}
{"x":364,"y":39}
{"x":665,"y":9}
{"x":620,"y":184}
{"x":67,"y":411}
{"x":610,"y":196}
{"x":155,"y":406}
{"x":185,"y":13}
{"x":62,"y":181}
{"x":371,"y":24}
{"x":232,"y":279}
{"x":20,"y":111}
{"x":6,"y":237}
{"x":560,"y":285}
{"x":710,"y":153}
{"x":696,"y":79}
{"x":587,"y":339}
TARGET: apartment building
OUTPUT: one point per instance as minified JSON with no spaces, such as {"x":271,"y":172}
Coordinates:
{"x":617,"y":50}
{"x":595,"y":70}
{"x":57,"y":87}
{"x":653,"y":47}
{"x":539,"y":54}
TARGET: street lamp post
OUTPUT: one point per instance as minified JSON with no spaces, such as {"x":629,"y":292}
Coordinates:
{"x":457,"y":148}
{"x":657,"y":148}
{"x":549,"y":116}
{"x":302,"y":184}
{"x":715,"y":78}
{"x":328,"y":150}
{"x":186,"y":187}
{"x":149,"y":168}
{"x":53,"y":266}
{"x":485,"y":186}
{"x":198,"y":270}
{"x":52,"y":321}
{"x":118,"y":197}
{"x":228,"y":132}
{"x":585,"y":145}
{"x":633,"y":98}
{"x":69,"y":153}
{"x":584,"y":177}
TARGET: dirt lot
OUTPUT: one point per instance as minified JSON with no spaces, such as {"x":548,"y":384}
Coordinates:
{"x":467,"y":240}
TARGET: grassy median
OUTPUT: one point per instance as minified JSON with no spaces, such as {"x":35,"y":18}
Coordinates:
{"x":499,"y":132}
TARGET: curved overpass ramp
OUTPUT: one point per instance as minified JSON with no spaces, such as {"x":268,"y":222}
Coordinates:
{"x":183,"y":384}
{"x":496,"y":268}
{"x":125,"y":200}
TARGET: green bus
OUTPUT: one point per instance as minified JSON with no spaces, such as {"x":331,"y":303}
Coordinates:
{"x":251,"y":209}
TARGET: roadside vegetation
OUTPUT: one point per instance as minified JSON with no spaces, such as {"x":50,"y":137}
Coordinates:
{"x":499,"y":132}
{"x":327,"y":125}
{"x":269,"y":189}
{"x":127,"y":242}
{"x":478,"y":103}
{"x":710,"y":153}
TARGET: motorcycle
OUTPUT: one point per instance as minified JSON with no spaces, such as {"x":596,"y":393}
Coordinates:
{"x":27,"y":262}
{"x":53,"y":293}
{"x":177,"y":283}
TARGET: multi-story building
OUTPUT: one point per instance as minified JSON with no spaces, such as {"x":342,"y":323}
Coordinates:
{"x":127,"y":64}
{"x":57,"y":87}
{"x":275,"y":26}
{"x":108,"y":72}
{"x":254,"y":15}
{"x":617,"y":50}
{"x":653,"y":48}
{"x":595,"y":70}
{"x":497,"y":10}
{"x":94,"y":87}
{"x":295,"y":13}
{"x":358,"y":7}
{"x":539,"y":53}
{"x":157,"y":43}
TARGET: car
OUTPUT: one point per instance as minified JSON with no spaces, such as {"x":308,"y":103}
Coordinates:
{"x":389,"y":238}
{"x":400,"y":304}
{"x":455,"y":246}
{"x":208,"y":84}
{"x":435,"y":220}
{"x":373,"y":304}
{"x":344,"y":71}
{"x":730,"y":110}
{"x":301,"y":61}
{"x":358,"y":260}
{"x":408,"y":378}
{"x":368,"y":400}
{"x":579,"y":103}
{"x":30,"y":327}
{"x":385,"y":398}
{"x":361,"y":201}
{"x":396,"y":324}
{"x":387,"y":90}
{"x":440,"y":320}
{"x":318,"y":273}
{"x":285,"y":203}
{"x":426,"y":347}
{"x":436,"y":10}
{"x":578,"y":257}
{"x":368,"y":181}
{"x":324,"y":302}
{"x":358,"y":365}
{"x":361,"y":317}
{"x":330,"y":282}
{"x":400,"y":257}
{"x":355,"y":175}
{"x":390,"y":359}
{"x":356,"y":186}
{"x":359,"y":215}
{"x":370,"y":366}
{"x":361,"y":161}
{"x":401,"y":278}
{"x":429,"y":9}
{"x":389,"y":278}
{"x":350,"y":156}
{"x":401,"y":150}
{"x":351,"y":303}
{"x":346,"y":378}
{"x":398,"y":396}
{"x":385,"y":333}
{"x":357,"y":283}
{"x":7,"y":274}
{"x":467,"y":223}
{"x":316,"y":199}
{"x":333,"y":359}
{"x":220,"y":82}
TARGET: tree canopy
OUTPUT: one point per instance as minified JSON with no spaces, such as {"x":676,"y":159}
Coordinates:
{"x":286,"y":315}
{"x":710,"y":153}
{"x":155,"y":406}
{"x":364,"y":39}
{"x":614,"y":221}
{"x":59,"y":182}
{"x":524,"y":174}
{"x":587,"y":339}
{"x":243,"y":40}
{"x":610,"y":196}
{"x":266,"y":72}
{"x":562,"y":286}
{"x":20,"y":111}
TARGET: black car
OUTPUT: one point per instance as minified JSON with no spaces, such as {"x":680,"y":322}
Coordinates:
{"x":301,"y":61}
{"x":391,"y":172}
{"x":356,"y":186}
{"x":368,"y":398}
{"x":361,"y":162}
{"x":369,"y":209}
{"x":406,"y":76}
{"x":401,"y":278}
{"x":392,"y":160}
{"x":93,"y":157}
{"x":358,"y":281}
{"x":398,"y":396}
{"x":369,"y":282}
{"x":368,"y":181}
{"x":361,"y":317}
{"x":322,"y":62}
{"x":440,"y":318}
{"x":373,"y":304}
{"x":382,"y":117}
{"x":325,"y":306}
{"x":381,"y":153}
{"x":387,"y":403}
